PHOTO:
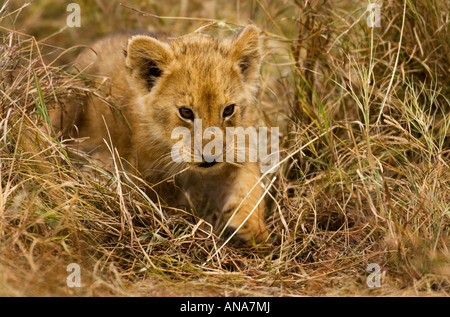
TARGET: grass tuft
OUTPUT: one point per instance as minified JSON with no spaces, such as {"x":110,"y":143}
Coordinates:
{"x":365,"y":177}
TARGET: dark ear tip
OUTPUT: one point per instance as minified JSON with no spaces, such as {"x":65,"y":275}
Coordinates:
{"x":125,"y":52}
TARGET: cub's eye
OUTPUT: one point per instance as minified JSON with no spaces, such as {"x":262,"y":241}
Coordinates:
{"x":228,"y":111}
{"x":186,"y":113}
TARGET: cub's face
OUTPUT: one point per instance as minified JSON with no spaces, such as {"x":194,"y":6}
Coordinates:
{"x":194,"y":85}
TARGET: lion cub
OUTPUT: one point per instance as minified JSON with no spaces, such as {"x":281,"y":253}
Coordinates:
{"x":160,"y":83}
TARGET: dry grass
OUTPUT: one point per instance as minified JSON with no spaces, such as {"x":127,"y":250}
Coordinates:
{"x":364,"y":121}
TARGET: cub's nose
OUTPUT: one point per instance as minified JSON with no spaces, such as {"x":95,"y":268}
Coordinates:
{"x":212,"y":158}
{"x":209,"y":160}
{"x":206,"y":164}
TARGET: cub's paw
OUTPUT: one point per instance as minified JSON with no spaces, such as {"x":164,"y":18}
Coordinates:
{"x":251,"y":231}
{"x":245,"y":238}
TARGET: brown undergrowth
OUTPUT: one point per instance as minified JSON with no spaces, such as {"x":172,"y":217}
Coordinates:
{"x":364,"y":174}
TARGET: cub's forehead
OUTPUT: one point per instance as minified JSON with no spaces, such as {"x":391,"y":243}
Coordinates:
{"x":203,"y":66}
{"x":192,"y":45}
{"x":203,"y":60}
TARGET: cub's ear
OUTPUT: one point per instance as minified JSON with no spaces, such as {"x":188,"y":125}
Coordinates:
{"x":146,"y":58}
{"x":246,"y":51}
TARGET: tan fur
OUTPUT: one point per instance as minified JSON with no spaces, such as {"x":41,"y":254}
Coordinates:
{"x":197,"y":71}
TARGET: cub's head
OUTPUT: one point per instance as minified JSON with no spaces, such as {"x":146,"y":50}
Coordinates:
{"x":194,"y":84}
